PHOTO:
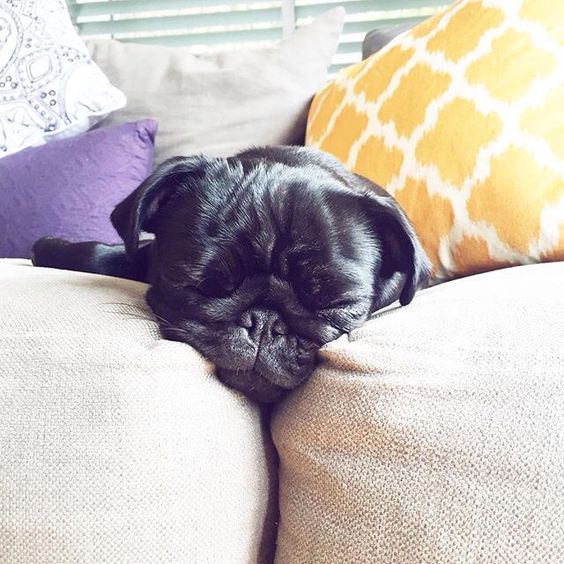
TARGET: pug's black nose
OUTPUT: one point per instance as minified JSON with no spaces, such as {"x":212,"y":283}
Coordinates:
{"x":279,"y":328}
{"x":246,"y":320}
{"x":254,"y":321}
{"x":259,"y":320}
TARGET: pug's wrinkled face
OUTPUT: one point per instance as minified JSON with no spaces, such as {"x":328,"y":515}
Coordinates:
{"x":260,"y":260}
{"x":260,"y":280}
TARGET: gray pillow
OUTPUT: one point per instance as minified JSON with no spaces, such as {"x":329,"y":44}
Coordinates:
{"x":221,"y":103}
{"x":379,"y":38}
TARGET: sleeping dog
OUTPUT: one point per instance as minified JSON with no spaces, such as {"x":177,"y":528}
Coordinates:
{"x":258,"y":260}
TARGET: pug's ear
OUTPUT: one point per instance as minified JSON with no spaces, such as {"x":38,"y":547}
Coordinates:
{"x":402,"y":252}
{"x":137,"y":211}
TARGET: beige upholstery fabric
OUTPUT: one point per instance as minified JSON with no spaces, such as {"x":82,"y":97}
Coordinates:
{"x":436,"y":434}
{"x":115,"y":445}
{"x":222,"y":103}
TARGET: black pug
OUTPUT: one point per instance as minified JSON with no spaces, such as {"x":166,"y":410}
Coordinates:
{"x":258,"y":260}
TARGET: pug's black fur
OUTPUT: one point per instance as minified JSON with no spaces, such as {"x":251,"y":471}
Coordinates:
{"x":258,"y":259}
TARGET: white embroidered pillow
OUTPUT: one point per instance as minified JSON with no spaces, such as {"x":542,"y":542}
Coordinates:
{"x":49,"y":86}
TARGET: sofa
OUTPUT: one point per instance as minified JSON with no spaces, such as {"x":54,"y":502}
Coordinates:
{"x":434,"y":433}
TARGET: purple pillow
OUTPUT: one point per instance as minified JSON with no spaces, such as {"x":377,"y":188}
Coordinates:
{"x":68,"y":188}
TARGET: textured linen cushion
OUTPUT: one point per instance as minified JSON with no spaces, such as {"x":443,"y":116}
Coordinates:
{"x":219,"y":104}
{"x":49,"y":86}
{"x":115,"y":445}
{"x":436,"y":433}
{"x":461,"y":120}
{"x":68,"y":188}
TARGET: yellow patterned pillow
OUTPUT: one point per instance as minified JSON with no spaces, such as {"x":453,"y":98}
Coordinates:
{"x":462,"y":120}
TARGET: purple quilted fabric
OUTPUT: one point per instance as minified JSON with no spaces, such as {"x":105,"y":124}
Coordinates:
{"x":68,"y":188}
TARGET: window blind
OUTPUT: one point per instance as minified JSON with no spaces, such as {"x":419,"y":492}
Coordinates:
{"x":216,"y":25}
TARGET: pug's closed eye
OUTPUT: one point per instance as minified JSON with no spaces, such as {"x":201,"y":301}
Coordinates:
{"x":218,"y":283}
{"x":217,"y":279}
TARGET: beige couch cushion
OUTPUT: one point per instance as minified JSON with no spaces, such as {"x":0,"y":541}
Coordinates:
{"x":436,"y":434}
{"x":115,"y":445}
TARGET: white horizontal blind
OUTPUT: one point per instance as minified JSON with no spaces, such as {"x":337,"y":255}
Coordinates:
{"x":219,"y":25}
{"x":364,"y":16}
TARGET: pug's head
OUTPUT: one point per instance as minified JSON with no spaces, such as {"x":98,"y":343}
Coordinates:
{"x":262,"y":258}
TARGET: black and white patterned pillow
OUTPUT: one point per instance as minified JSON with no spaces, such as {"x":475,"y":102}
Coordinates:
{"x":49,"y":86}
